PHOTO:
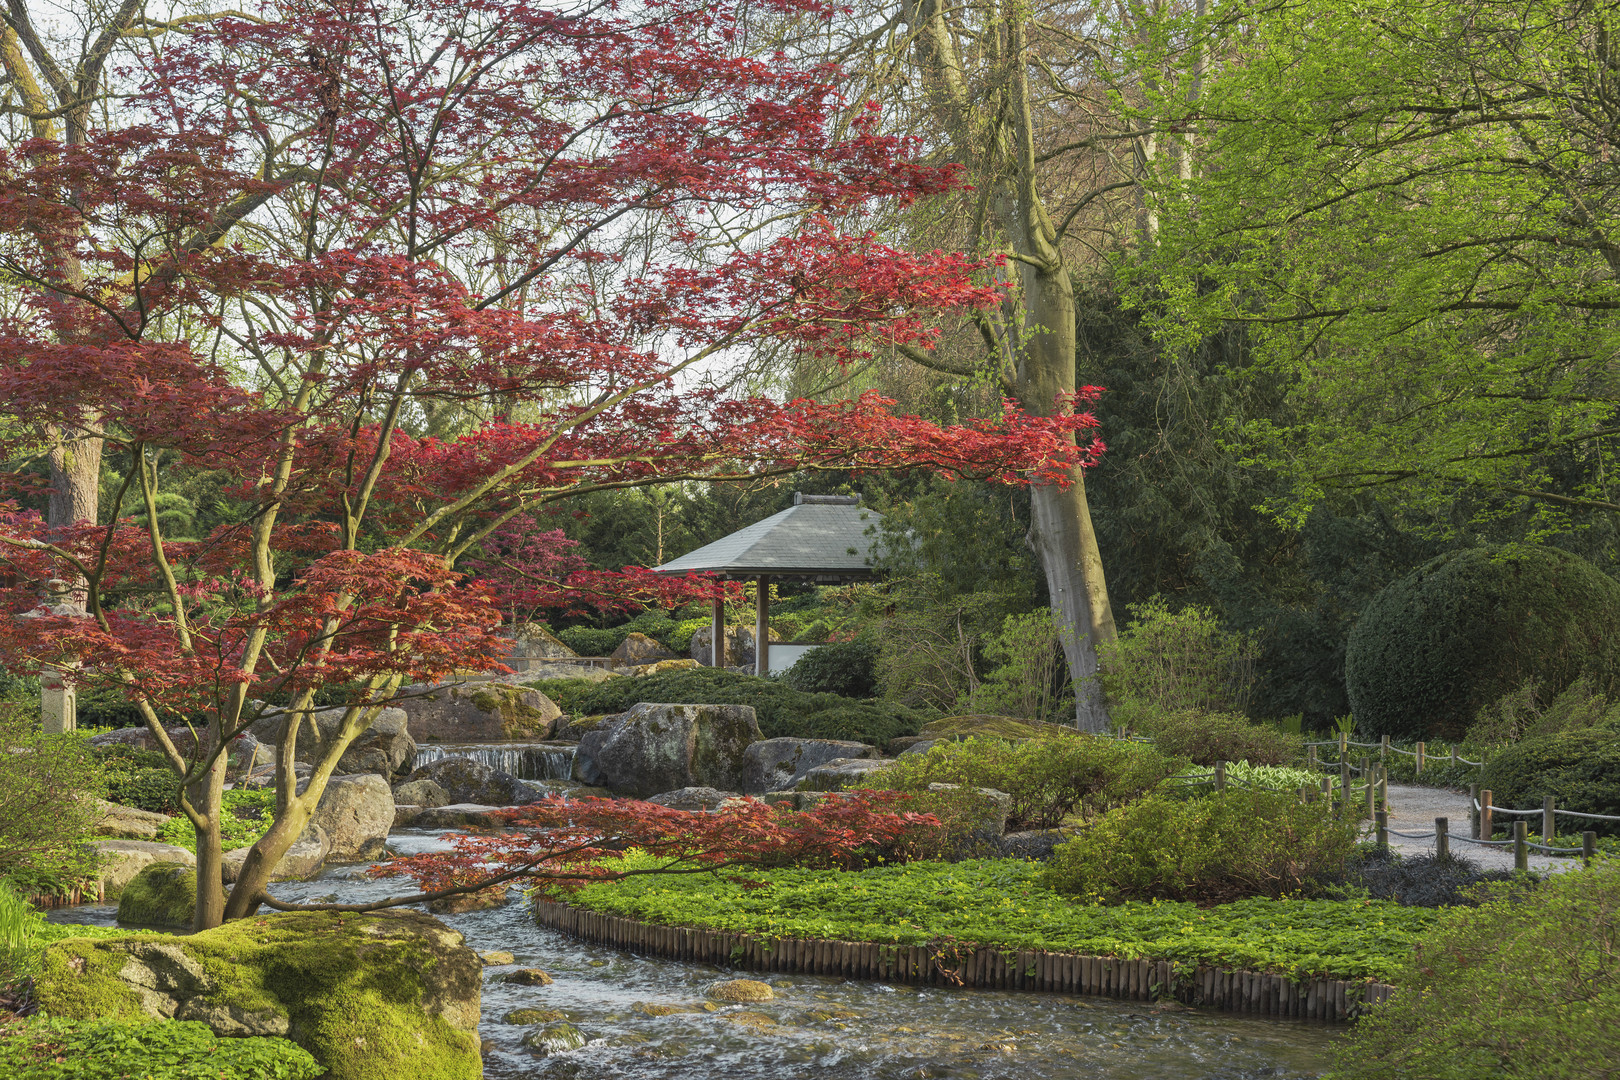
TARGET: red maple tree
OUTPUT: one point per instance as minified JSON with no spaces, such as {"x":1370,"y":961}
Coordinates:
{"x":406,"y":274}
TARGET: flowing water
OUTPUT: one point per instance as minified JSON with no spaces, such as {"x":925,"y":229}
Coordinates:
{"x":526,"y":761}
{"x":816,"y":1025}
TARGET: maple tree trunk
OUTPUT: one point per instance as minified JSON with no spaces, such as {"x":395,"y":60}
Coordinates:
{"x":75,"y":482}
{"x":254,"y":879}
{"x":207,"y":792}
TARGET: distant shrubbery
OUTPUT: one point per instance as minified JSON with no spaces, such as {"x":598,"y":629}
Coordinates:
{"x":845,"y":668}
{"x":1579,"y":769}
{"x":1224,"y":846}
{"x":1048,"y":779}
{"x":781,"y":709}
{"x":1173,"y":661}
{"x":44,"y":812}
{"x":1208,"y":737}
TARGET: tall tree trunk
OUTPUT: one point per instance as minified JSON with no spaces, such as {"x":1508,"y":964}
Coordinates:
{"x":207,"y":792}
{"x":75,"y":480}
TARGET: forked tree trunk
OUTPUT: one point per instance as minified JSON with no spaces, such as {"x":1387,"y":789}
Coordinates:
{"x":207,"y":792}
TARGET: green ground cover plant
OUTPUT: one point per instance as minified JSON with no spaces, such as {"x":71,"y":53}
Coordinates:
{"x":1525,"y":986}
{"x":1048,"y":779}
{"x":781,"y":710}
{"x":1004,"y":902}
{"x":47,"y":1049}
{"x":1268,"y":777}
{"x":1220,"y":847}
{"x":248,"y":815}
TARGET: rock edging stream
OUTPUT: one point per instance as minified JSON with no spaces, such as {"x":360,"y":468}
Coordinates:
{"x":1260,"y":993}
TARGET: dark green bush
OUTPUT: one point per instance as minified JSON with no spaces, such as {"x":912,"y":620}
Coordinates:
{"x":107,"y":707}
{"x":846,"y":668}
{"x":1522,"y":987}
{"x":1225,"y":846}
{"x":1579,"y":769}
{"x":589,"y":641}
{"x":1208,"y":737}
{"x":781,"y":709}
{"x":1437,"y":646}
{"x":1048,"y":779}
{"x":45,"y":1049}
{"x":1417,"y":880}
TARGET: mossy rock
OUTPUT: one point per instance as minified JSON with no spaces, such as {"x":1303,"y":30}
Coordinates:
{"x":555,"y":1039}
{"x":162,"y":894}
{"x":738,"y":991}
{"x":371,"y":997}
{"x":534,"y":1016}
{"x":750,"y":1019}
{"x":519,"y":718}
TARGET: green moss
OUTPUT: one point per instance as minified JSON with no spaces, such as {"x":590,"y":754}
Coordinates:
{"x":163,"y":894}
{"x":517,"y":717}
{"x":78,"y":979}
{"x":353,"y":988}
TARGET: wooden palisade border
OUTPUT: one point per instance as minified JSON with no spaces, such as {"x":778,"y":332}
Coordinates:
{"x":988,"y":968}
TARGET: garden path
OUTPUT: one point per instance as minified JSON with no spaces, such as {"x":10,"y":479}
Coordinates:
{"x":1413,"y":809}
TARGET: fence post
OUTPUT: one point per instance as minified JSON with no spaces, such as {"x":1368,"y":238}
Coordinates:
{"x":1310,"y":756}
{"x":1588,"y":846}
{"x":1521,"y":845}
{"x":1344,"y":787}
{"x":1383,"y":786}
{"x":1381,"y":818}
{"x":1344,"y":744}
{"x":1306,"y":795}
{"x":1486,"y":825}
{"x":1383,"y":748}
{"x":1549,"y":822}
{"x":1442,"y":838}
{"x":1220,"y":776}
{"x":1419,"y":765}
{"x":1372,"y":787}
{"x":1453,"y":755}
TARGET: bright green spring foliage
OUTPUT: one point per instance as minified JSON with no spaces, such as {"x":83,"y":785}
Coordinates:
{"x":1048,"y":779}
{"x":1002,"y":902}
{"x":1228,"y":844}
{"x":1411,"y":209}
{"x":44,"y":1049}
{"x":1172,"y":660}
{"x":1524,"y":987}
{"x":248,"y":815}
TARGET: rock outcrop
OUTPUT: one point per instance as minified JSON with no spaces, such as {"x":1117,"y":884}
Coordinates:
{"x":355,"y":813}
{"x":779,"y":764}
{"x":840,"y":774}
{"x":464,"y":780}
{"x":693,"y":798}
{"x":651,"y":748}
{"x":162,"y":894}
{"x":638,"y":649}
{"x":424,"y":793}
{"x":385,"y":747}
{"x":384,"y":995}
{"x":127,"y":822}
{"x":477,"y":712}
{"x":121,"y":860}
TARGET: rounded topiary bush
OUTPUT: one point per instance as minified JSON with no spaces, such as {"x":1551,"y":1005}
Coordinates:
{"x":1468,"y":627}
{"x":1579,"y":769}
{"x":846,"y":668}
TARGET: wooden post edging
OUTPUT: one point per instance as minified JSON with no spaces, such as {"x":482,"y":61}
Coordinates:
{"x":1328,"y":1000}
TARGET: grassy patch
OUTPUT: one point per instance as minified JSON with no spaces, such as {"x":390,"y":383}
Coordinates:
{"x":1000,"y":902}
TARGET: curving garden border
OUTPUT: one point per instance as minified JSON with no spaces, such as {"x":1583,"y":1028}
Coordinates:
{"x":1259,"y":993}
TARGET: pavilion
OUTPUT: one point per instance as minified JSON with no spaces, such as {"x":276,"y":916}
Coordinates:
{"x":826,"y":539}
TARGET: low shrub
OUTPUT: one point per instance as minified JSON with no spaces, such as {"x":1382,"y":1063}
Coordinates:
{"x":1225,"y":846}
{"x":247,"y":816}
{"x":1523,"y":987}
{"x":1417,"y":880}
{"x":43,"y":815}
{"x":1264,"y":777}
{"x":1208,"y":737}
{"x":845,"y":668}
{"x":1579,"y":769}
{"x":1004,"y":902}
{"x":157,"y":790}
{"x":1173,"y":660}
{"x":781,"y":710}
{"x":1048,"y":779}
{"x":47,"y":1049}
{"x":589,"y":641}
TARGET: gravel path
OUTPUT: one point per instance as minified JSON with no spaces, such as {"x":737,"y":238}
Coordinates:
{"x":1413,"y":809}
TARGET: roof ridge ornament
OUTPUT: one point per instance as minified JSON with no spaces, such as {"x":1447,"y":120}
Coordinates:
{"x":801,"y":499}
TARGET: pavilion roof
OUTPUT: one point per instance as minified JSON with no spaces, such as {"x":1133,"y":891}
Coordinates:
{"x":824,"y":537}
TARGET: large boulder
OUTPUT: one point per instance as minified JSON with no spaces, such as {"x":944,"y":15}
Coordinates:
{"x":693,"y":798}
{"x":779,"y":764}
{"x":355,"y":813}
{"x":304,"y":859}
{"x":162,"y":894}
{"x":394,"y":994}
{"x":140,"y":738}
{"x":477,"y":712}
{"x":120,"y":861}
{"x":839,"y":774}
{"x":424,"y":793}
{"x":459,"y":816}
{"x":126,"y":822}
{"x":532,"y":646}
{"x":464,"y":780}
{"x":651,"y":748}
{"x":637,"y":649}
{"x":385,"y":747}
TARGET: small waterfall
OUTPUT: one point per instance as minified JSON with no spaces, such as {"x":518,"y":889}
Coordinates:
{"x":526,"y":761}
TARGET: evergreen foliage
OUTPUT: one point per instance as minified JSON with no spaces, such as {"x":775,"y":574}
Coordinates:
{"x":1470,"y":626}
{"x":1579,"y":769}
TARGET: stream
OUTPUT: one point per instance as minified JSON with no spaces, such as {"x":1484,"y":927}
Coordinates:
{"x":819,"y":1025}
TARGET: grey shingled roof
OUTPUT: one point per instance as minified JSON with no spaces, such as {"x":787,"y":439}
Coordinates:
{"x":812,"y":538}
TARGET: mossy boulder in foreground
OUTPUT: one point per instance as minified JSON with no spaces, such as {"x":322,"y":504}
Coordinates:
{"x":163,"y":894}
{"x":372,"y":997}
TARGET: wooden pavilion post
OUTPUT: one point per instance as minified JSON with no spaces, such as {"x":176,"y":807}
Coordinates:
{"x":718,"y":652}
{"x":762,"y":626}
